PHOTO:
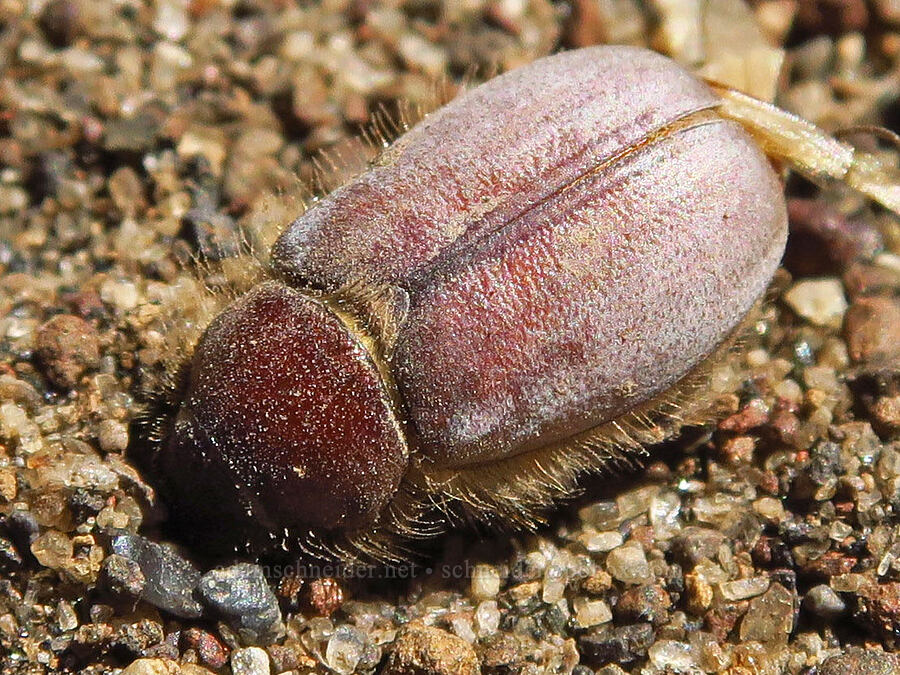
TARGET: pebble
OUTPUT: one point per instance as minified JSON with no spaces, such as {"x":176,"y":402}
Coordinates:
{"x":487,"y":618}
{"x":693,"y":544}
{"x":122,"y":576}
{"x":590,"y":613}
{"x":326,"y":595}
{"x":878,"y":608}
{"x":872,"y":330}
{"x":426,"y":650}
{"x":824,"y":603}
{"x":887,"y":411}
{"x":820,"y":301}
{"x":108,"y":183}
{"x":112,"y":436}
{"x":644,"y":603}
{"x":67,"y":346}
{"x":170,"y":580}
{"x":208,"y":647}
{"x":485,"y":582}
{"x":673,"y":656}
{"x":164,"y":667}
{"x":742,"y":589}
{"x":822,"y":240}
{"x":345,"y":649}
{"x":123,"y":295}
{"x":250,"y":661}
{"x":242,"y":594}
{"x":861,"y":662}
{"x":770,"y":617}
{"x":601,"y":542}
{"x":628,"y":564}
{"x":622,"y":645}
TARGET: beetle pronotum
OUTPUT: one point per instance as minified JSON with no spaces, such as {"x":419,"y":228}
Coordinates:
{"x":524,"y":286}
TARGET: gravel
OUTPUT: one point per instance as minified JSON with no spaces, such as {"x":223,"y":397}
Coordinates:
{"x":136,"y":138}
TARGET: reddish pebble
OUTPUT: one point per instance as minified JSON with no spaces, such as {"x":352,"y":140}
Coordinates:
{"x":326,"y":595}
{"x":66,"y":347}
{"x":872,"y":330}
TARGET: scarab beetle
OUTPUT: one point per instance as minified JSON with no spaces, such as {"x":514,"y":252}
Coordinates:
{"x":517,"y":290}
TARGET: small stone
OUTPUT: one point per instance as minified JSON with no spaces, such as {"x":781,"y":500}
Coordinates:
{"x":872,"y":330}
{"x":112,"y":436}
{"x":770,"y":509}
{"x":130,"y":134}
{"x":824,"y":603}
{"x":601,"y":542}
{"x":164,"y":667}
{"x":171,"y":21}
{"x":485,"y":582}
{"x":207,"y":142}
{"x":753,"y":415}
{"x":699,"y":593}
{"x":216,"y":233}
{"x":12,"y":199}
{"x":141,"y":638}
{"x":824,"y":241}
{"x":8,"y":484}
{"x":693,"y":544}
{"x":66,"y":617}
{"x":326,"y":595}
{"x":887,"y":412}
{"x":250,"y":661}
{"x":430,"y":651}
{"x":61,"y":22}
{"x":628,"y":564}
{"x":610,"y":669}
{"x":502,"y":652}
{"x":590,"y":613}
{"x":742,"y":589}
{"x":126,"y":190}
{"x":66,"y":347}
{"x":53,"y":549}
{"x":861,"y":662}
{"x":673,"y":656}
{"x":208,"y":647}
{"x":829,"y":564}
{"x":122,"y":576}
{"x":170,"y":580}
{"x":242,"y":594}
{"x":770,"y":617}
{"x":555,"y":578}
{"x":487,"y":618}
{"x":597,"y":583}
{"x":635,"y":502}
{"x":644,"y":603}
{"x":819,"y":301}
{"x":123,"y":295}
{"x":622,"y":645}
{"x":345,"y":648}
{"x":878,"y":608}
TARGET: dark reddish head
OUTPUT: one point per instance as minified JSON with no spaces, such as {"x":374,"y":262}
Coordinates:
{"x":284,"y":423}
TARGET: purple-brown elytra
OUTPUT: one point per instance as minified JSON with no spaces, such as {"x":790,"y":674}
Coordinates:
{"x":527,"y":285}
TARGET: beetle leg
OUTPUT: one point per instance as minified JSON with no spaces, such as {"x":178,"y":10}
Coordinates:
{"x":809,"y":149}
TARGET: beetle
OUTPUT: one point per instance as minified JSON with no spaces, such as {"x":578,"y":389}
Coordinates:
{"x":530,"y":283}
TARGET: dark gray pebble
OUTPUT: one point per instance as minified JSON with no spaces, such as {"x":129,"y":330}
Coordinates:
{"x":242,"y":594}
{"x":823,"y":602}
{"x":170,"y":579}
{"x":608,"y":644}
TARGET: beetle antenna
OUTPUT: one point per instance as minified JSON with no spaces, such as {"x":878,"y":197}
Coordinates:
{"x":809,"y":149}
